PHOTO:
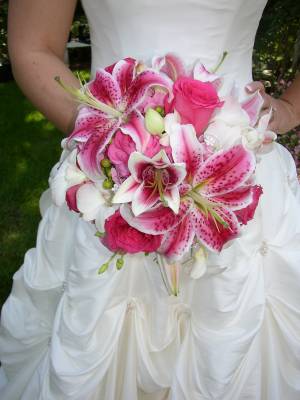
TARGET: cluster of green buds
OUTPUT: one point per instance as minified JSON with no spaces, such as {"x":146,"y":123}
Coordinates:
{"x":106,"y":168}
{"x":119,"y":263}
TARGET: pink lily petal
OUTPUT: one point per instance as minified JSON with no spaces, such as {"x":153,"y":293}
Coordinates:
{"x":123,"y":73}
{"x":202,"y":74}
{"x":137,"y":163}
{"x":236,"y":199}
{"x":212,"y":233}
{"x":87,"y":121}
{"x":71,"y":198}
{"x":252,"y":106}
{"x":110,"y":68}
{"x":135,"y":128}
{"x":158,"y":62}
{"x":176,"y":174}
{"x":90,"y":154}
{"x":105,"y":88}
{"x":157,"y":220}
{"x":138,"y":89}
{"x":174,"y":66}
{"x":126,"y":191}
{"x":186,"y":147}
{"x":144,"y":198}
{"x":247,"y":213}
{"x":225,"y":171}
{"x":179,"y":240}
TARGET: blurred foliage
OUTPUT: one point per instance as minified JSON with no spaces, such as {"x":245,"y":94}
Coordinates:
{"x":276,"y":57}
{"x":3,"y":31}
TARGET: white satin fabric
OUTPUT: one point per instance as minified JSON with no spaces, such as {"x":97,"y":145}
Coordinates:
{"x":234,"y":334}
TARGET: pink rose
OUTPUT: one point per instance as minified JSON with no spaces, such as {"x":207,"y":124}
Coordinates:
{"x":119,"y":151}
{"x":195,"y":101}
{"x":247,"y":213}
{"x":119,"y":236}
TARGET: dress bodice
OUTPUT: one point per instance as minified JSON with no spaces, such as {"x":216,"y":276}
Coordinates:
{"x":194,"y":29}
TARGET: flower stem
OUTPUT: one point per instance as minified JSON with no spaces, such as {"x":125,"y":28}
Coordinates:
{"x":214,"y":70}
{"x":84,"y":96}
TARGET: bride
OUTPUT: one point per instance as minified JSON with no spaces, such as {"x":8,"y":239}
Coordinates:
{"x":68,"y":333}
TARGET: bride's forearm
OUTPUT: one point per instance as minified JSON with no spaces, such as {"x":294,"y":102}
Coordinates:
{"x":35,"y":73}
{"x":37,"y":34}
{"x":292,"y":96}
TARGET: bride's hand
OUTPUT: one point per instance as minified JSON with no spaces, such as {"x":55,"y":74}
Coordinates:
{"x":284,"y":117}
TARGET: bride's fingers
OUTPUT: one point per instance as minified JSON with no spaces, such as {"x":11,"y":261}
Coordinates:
{"x":254,"y":86}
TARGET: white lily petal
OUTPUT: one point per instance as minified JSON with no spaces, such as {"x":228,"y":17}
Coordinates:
{"x":200,"y":265}
{"x":172,"y":198}
{"x":232,"y":113}
{"x":89,"y":199}
{"x":143,"y":200}
{"x":126,"y":191}
{"x":104,"y":212}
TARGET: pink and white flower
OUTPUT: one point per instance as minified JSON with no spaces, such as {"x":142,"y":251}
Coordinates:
{"x":152,"y":181}
{"x":217,"y":187}
{"x":110,"y":99}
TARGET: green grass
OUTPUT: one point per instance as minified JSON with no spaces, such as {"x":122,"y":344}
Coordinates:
{"x":30,"y":145}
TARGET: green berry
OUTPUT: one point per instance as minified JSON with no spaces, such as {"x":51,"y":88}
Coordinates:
{"x":105,"y":163}
{"x":120,"y":263}
{"x":108,"y":184}
{"x":103,"y":268}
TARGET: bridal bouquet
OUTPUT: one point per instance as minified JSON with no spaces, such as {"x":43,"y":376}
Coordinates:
{"x":161,"y":161}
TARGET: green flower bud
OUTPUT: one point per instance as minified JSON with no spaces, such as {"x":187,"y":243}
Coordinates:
{"x":103,"y":268}
{"x":120,"y":263}
{"x":154,"y":122}
{"x":160,"y":110}
{"x":108,"y":184}
{"x":105,"y":163}
{"x":100,"y":234}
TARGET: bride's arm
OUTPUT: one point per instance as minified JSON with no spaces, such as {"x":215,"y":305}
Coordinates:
{"x":286,"y":115}
{"x":37,"y":34}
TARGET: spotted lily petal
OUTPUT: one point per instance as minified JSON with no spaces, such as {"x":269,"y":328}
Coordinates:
{"x":106,"y":88}
{"x":235,"y":200}
{"x":89,"y":156}
{"x":210,"y":232}
{"x":87,"y":122}
{"x":123,"y":72}
{"x":157,"y":220}
{"x":138,"y":89}
{"x":225,"y":171}
{"x":178,"y":241}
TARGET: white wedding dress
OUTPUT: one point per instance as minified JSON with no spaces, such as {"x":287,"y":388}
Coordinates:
{"x":234,"y":334}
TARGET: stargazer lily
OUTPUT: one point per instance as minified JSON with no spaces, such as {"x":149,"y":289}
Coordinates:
{"x":153,"y":180}
{"x":215,"y":187}
{"x":108,"y":101}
